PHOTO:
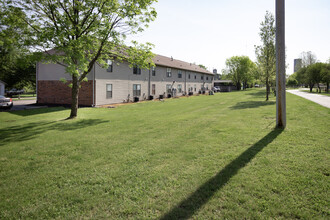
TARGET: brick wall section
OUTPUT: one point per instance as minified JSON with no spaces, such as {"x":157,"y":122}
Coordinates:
{"x":57,"y":92}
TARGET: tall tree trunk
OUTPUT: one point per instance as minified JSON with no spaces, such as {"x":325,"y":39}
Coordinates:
{"x":238,"y":86}
{"x":75,"y":94}
{"x":327,"y":87}
{"x":267,"y":89}
{"x":310,"y":88}
{"x":318,"y":86}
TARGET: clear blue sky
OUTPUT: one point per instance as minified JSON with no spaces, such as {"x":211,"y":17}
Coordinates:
{"x":210,"y":31}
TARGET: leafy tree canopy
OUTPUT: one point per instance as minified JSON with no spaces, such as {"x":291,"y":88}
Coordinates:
{"x":17,"y":66}
{"x":239,"y":70}
{"x":265,"y":53}
{"x":83,"y":32}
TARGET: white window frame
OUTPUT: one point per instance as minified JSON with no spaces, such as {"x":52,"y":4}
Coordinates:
{"x":179,"y":74}
{"x":168,"y":88}
{"x":109,"y":91}
{"x":110,"y":65}
{"x":179,"y":88}
{"x":136,"y":70}
{"x":153,"y":70}
{"x":153,"y":89}
{"x":136,"y":90}
{"x":168,"y":72}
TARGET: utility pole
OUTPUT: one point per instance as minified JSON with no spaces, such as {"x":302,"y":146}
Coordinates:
{"x":280,"y":65}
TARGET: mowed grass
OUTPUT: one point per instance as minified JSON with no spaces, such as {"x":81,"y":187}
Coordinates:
{"x":202,"y":157}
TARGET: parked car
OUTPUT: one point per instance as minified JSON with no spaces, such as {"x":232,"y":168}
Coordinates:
{"x":6,"y":103}
{"x":216,"y":89}
{"x":14,"y":91}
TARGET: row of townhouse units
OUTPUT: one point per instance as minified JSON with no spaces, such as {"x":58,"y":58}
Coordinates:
{"x":121,"y":83}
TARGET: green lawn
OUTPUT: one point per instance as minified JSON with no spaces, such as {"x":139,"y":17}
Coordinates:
{"x":202,"y":157}
{"x":25,"y":96}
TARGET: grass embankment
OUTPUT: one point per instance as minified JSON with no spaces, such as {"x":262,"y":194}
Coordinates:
{"x":315,"y":91}
{"x":204,"y":157}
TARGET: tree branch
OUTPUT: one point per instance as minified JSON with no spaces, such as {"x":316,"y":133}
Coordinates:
{"x":66,"y":11}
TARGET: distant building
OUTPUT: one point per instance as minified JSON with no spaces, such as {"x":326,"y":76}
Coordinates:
{"x":297,"y":64}
{"x":224,"y":85}
{"x":216,"y":75}
{"x":121,"y":83}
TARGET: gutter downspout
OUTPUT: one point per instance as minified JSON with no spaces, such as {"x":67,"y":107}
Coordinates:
{"x":149,"y":83}
{"x":185,"y":82}
{"x":93,"y":104}
{"x":37,"y":75}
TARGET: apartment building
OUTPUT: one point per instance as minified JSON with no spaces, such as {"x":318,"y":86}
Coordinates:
{"x":117,"y":83}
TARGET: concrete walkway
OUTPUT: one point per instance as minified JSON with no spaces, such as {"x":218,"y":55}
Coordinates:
{"x":319,"y":99}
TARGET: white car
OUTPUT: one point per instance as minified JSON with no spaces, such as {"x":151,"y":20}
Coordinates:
{"x":216,"y":89}
{"x":6,"y":103}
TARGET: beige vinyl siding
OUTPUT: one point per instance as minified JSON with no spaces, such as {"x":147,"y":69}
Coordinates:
{"x":51,"y":71}
{"x":122,"y":79}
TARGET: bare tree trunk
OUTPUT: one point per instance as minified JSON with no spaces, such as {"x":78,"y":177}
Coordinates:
{"x":327,"y":87}
{"x":75,"y":93}
{"x":244,"y":85}
{"x":310,"y":88}
{"x":238,"y":86}
{"x":267,"y":89}
{"x":318,"y":86}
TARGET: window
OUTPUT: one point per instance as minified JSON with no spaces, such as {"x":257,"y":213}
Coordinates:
{"x":110,"y":65}
{"x":109,"y":91}
{"x":207,"y":78}
{"x":179,"y":74}
{"x":195,"y":87}
{"x":179,"y":88}
{"x":202,"y":77}
{"x":168,"y":88}
{"x":136,"y":90}
{"x":195,"y":76}
{"x":136,"y":70}
{"x":168,"y":72}
{"x":153,"y":71}
{"x":153,"y":89}
{"x":189,"y":76}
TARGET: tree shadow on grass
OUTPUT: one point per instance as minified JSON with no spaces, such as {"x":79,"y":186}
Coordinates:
{"x":36,"y":111}
{"x":197,"y":199}
{"x":29,"y":131}
{"x":261,"y":93}
{"x":251,"y":104}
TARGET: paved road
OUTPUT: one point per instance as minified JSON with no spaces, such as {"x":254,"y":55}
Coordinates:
{"x":25,"y":104}
{"x":319,"y":99}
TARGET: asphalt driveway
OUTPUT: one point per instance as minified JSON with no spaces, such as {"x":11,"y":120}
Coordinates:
{"x":319,"y":99}
{"x":25,"y":104}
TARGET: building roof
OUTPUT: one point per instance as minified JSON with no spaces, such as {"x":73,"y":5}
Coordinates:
{"x":223,"y":81}
{"x":160,"y":60}
{"x":2,"y":82}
